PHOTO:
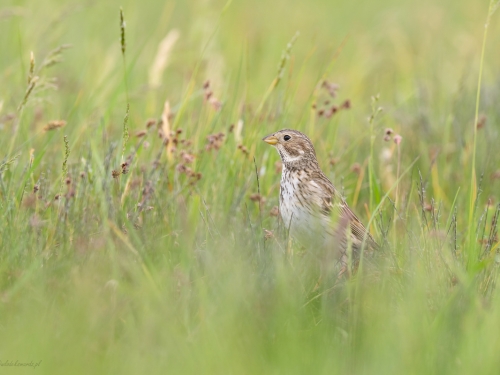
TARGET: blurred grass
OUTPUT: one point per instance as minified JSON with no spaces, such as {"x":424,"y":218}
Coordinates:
{"x":164,"y":270}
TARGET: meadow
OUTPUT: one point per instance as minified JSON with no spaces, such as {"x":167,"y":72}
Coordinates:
{"x":138,"y":221}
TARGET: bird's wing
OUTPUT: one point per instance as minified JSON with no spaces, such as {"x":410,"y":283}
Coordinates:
{"x":358,"y":230}
{"x":331,"y":200}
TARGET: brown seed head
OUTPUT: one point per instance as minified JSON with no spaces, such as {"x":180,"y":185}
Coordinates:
{"x":151,"y":122}
{"x":186,"y":157}
{"x":495,"y":175}
{"x":268,"y":234}
{"x":481,"y":122}
{"x":181,"y":168}
{"x":334,"y":161}
{"x":346,"y":104}
{"x":125,"y":167}
{"x":356,"y":168}
{"x":257,"y":198}
{"x":55,"y":124}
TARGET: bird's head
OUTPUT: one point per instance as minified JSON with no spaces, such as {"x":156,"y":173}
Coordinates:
{"x":293,"y":146}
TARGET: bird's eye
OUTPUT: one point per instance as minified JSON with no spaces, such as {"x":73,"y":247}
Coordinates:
{"x":287,"y":137}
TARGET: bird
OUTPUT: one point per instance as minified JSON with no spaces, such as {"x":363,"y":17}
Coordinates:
{"x":312,"y":209}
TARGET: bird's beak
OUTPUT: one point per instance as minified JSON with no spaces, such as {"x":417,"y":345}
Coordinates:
{"x":271,"y":139}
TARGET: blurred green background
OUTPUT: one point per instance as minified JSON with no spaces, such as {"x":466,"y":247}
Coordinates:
{"x":164,"y":268}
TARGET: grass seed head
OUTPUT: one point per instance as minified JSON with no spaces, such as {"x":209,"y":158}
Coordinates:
{"x":346,"y":104}
{"x":122,"y":32}
{"x":125,"y":167}
{"x":481,"y":122}
{"x":496,"y":175}
{"x":331,"y":87}
{"x":214,"y":141}
{"x":54,"y":124}
{"x":356,"y":168}
{"x":268,"y":234}
{"x":256,"y":197}
{"x":334,"y":161}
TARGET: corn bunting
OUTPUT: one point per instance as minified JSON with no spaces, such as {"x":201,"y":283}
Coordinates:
{"x":310,"y":206}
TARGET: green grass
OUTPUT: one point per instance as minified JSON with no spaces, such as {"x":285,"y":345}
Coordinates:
{"x":165,"y":268}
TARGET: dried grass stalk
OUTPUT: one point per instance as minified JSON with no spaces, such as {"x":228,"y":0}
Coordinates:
{"x":162,"y":58}
{"x":165,"y":129}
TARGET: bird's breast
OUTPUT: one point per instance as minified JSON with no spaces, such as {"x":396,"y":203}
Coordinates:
{"x":298,"y":207}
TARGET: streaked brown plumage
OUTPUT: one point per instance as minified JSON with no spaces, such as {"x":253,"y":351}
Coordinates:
{"x":310,"y":205}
